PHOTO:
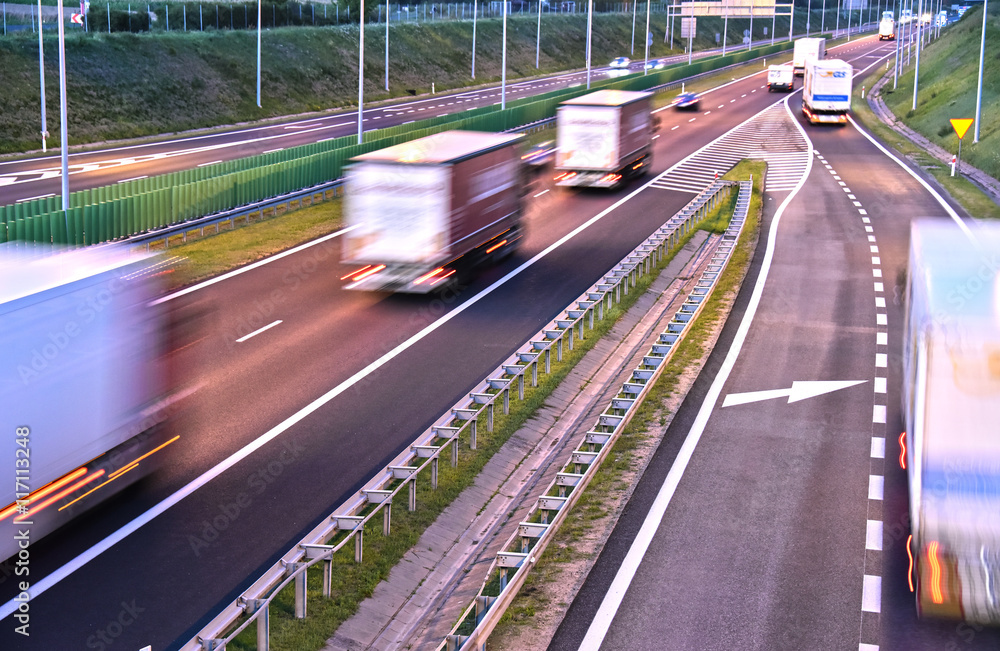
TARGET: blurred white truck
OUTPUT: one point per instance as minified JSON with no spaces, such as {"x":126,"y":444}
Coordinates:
{"x":604,"y":138}
{"x":422,"y":213}
{"x":887,"y":27}
{"x":826,"y":91}
{"x":82,"y":383}
{"x":806,"y":50}
{"x":951,"y":406}
{"x":780,"y":78}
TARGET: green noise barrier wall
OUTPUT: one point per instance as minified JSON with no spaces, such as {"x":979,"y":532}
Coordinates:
{"x":116,"y":211}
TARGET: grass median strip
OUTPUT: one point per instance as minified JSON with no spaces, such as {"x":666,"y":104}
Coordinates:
{"x":353,"y":582}
{"x":560,"y":572}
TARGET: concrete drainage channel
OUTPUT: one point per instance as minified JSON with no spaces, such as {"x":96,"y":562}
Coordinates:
{"x":347,"y":524}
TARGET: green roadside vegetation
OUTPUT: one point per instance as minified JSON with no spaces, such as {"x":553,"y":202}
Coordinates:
{"x":217,"y":254}
{"x":129,"y":86}
{"x":934,"y":118}
{"x":353,"y":582}
{"x":603,"y":492}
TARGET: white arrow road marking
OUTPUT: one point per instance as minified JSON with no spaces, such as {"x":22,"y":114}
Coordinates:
{"x":798,"y":391}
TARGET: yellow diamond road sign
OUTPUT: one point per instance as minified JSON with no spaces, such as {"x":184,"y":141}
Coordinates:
{"x":961,"y":126}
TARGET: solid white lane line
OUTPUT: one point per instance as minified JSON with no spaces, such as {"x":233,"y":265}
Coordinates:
{"x":623,"y":578}
{"x":258,"y":331}
{"x":137,"y":178}
{"x":212,"y":163}
{"x":259,"y":263}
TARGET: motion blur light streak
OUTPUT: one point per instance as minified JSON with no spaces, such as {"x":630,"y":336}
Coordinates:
{"x":129,"y":466}
{"x":61,"y":494}
{"x":356,"y":271}
{"x":370,"y":272}
{"x":45,"y":490}
{"x":902,"y":450}
{"x":909,"y":554}
{"x":932,"y":556}
{"x":427,"y":276}
{"x":496,"y":246}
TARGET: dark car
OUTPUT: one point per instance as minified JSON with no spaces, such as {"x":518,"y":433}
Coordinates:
{"x":687,"y":102}
{"x":540,"y":155}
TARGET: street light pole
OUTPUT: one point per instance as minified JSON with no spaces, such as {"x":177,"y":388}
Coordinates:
{"x":258,"y":53}
{"x":361,"y":71}
{"x":503,"y":61}
{"x":916,"y":69}
{"x":590,"y":17}
{"x":475,"y":10}
{"x":648,"y":38}
{"x":634,"y":2}
{"x":538,"y":33}
{"x":979,"y":88}
{"x":387,"y":44}
{"x":63,"y":130}
{"x":725,"y":26}
{"x":41,"y":75}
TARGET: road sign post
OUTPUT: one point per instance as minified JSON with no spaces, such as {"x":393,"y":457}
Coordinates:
{"x":961,"y":126}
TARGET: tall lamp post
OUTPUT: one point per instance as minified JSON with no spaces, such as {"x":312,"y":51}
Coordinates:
{"x":361,"y":71}
{"x":41,"y":75}
{"x":258,"y":53}
{"x":503,"y":61}
{"x":590,"y":16}
{"x":979,"y":88}
{"x":63,"y":130}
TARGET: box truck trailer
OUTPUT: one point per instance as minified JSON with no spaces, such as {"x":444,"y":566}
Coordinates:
{"x":951,"y":411}
{"x":826,"y":91}
{"x":806,"y":50}
{"x":603,"y":138}
{"x":422,"y":213}
{"x":83,"y":383}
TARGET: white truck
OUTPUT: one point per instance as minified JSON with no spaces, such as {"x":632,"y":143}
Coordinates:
{"x":82,"y":384}
{"x":806,"y":50}
{"x":422,"y":213}
{"x":604,"y":138}
{"x":887,"y":28}
{"x":826,"y":91}
{"x":951,"y":407}
{"x":781,"y":77}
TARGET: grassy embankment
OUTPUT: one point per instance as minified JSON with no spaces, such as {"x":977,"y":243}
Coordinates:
{"x":603,"y":494}
{"x":948,"y":77}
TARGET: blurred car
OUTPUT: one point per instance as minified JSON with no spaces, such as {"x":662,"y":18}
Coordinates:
{"x":656,"y":64}
{"x":687,"y":102}
{"x":620,"y":63}
{"x":541,"y":154}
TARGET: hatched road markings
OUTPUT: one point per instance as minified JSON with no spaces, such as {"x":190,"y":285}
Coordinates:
{"x":768,"y":136}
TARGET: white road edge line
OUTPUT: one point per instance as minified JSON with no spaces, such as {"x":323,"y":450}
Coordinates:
{"x":623,"y":579}
{"x":99,"y":548}
{"x":944,"y":204}
{"x":250,"y":267}
{"x":258,"y":331}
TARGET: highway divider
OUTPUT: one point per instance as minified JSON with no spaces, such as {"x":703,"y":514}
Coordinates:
{"x":125,"y":209}
{"x":396,"y":483}
{"x":524,"y":547}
